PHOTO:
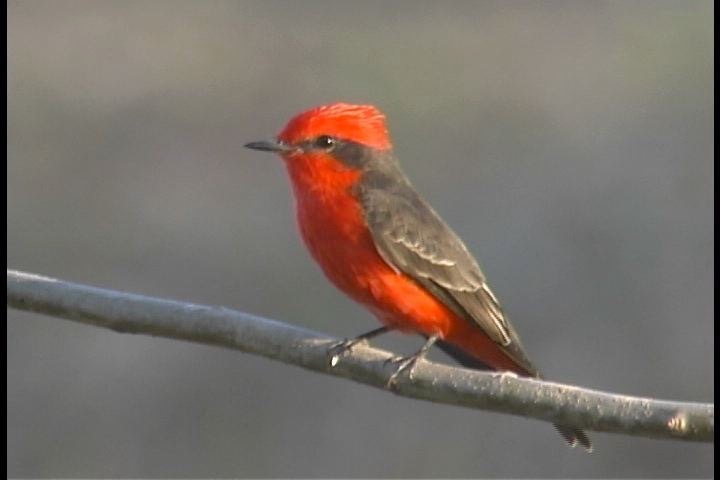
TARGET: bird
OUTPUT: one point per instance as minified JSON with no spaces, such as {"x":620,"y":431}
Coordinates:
{"x":379,"y":242}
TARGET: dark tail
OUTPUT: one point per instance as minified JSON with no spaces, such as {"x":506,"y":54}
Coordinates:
{"x":573,"y":436}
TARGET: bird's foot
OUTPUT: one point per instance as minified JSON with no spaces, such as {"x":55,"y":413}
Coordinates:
{"x":339,"y":349}
{"x":404,"y":364}
{"x":408,"y":363}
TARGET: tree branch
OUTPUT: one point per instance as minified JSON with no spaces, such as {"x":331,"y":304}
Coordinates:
{"x":553,"y":402}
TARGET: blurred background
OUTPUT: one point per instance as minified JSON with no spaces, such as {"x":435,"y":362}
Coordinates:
{"x":570,"y":143}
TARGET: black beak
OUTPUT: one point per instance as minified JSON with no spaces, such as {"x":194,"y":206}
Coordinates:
{"x":270,"y":146}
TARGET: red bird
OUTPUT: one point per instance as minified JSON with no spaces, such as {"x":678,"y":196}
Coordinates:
{"x":379,"y":242}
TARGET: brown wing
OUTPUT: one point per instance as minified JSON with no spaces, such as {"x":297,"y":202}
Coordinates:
{"x":413,"y":239}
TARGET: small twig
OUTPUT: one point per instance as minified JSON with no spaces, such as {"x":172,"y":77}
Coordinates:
{"x":553,"y":402}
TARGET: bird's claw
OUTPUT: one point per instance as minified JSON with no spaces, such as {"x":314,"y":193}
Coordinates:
{"x":338,"y":349}
{"x":404,"y":364}
{"x":393,"y":359}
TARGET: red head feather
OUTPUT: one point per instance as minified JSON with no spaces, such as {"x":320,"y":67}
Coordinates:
{"x":359,"y":123}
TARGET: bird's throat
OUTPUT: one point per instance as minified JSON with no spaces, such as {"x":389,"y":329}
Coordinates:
{"x":320,"y":179}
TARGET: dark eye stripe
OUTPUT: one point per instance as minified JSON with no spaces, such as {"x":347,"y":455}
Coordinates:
{"x":324,"y":142}
{"x":346,"y":151}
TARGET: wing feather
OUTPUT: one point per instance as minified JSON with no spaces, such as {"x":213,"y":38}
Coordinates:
{"x":413,"y":239}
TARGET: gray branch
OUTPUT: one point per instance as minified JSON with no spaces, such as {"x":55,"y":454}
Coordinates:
{"x":552,"y":402}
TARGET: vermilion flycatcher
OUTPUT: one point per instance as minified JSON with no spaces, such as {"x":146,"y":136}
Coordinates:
{"x":379,"y":242}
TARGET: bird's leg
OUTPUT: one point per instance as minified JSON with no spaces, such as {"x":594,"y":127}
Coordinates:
{"x":408,"y":363}
{"x":338,"y":349}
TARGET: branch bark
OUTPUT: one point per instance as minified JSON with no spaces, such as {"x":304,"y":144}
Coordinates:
{"x":552,"y":402}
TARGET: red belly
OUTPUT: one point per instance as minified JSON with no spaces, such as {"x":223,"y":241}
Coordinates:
{"x":333,"y":228}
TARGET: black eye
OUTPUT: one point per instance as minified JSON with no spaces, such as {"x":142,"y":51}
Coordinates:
{"x":324,"y":142}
